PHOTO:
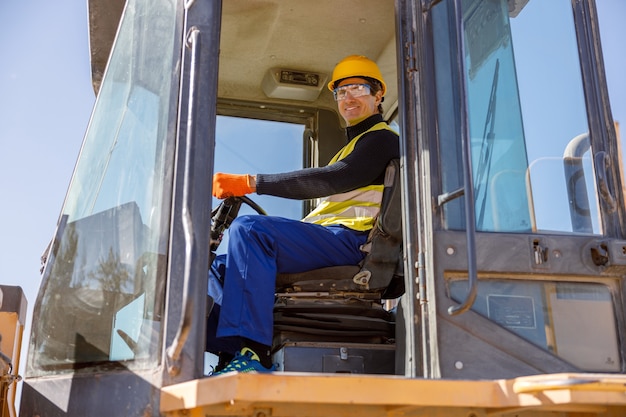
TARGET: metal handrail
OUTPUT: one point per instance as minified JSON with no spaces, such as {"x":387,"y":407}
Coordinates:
{"x":175,"y":349}
{"x":468,"y":179}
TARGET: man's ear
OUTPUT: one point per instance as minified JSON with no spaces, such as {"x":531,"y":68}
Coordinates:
{"x":379,"y":97}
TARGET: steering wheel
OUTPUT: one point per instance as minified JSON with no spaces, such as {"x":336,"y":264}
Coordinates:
{"x":225,"y":213}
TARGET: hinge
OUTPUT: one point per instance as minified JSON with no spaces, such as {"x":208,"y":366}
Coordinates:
{"x":411,"y":58}
{"x":610,"y":255}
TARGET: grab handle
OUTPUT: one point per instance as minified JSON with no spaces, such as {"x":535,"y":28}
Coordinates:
{"x":174,"y":351}
{"x":468,"y":179}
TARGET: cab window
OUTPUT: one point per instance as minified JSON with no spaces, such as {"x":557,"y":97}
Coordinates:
{"x":528,"y":128}
{"x":253,"y":146}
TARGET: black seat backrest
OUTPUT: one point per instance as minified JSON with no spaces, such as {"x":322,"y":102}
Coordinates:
{"x":381,"y":271}
{"x":383,"y":265}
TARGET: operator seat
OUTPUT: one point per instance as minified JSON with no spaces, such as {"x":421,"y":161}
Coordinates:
{"x":345,"y":303}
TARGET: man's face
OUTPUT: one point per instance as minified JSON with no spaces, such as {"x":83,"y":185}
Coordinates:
{"x":356,"y":109}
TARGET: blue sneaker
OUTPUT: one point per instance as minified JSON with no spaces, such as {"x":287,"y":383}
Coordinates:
{"x":245,"y":361}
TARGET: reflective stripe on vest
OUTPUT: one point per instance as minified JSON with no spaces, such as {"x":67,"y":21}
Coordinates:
{"x":356,"y":209}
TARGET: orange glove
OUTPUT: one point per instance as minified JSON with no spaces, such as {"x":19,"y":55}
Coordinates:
{"x":232,"y":185}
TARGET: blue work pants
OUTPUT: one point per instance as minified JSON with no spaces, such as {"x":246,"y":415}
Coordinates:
{"x":259,"y":247}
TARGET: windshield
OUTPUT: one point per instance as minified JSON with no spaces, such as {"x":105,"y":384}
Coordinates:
{"x":102,"y":294}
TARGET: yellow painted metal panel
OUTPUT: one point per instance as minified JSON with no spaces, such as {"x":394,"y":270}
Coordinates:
{"x":346,"y":395}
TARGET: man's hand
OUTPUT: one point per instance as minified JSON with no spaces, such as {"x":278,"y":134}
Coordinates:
{"x":232,"y":185}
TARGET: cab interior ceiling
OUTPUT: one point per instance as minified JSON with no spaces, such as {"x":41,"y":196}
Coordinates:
{"x":260,"y":36}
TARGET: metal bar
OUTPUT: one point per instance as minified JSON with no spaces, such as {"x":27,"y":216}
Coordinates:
{"x":407,"y":88}
{"x":576,"y":184}
{"x":175,"y":349}
{"x":447,"y":197}
{"x":601,"y":127}
{"x":468,"y":179}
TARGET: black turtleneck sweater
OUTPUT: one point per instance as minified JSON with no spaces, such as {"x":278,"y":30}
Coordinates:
{"x":365,"y":165}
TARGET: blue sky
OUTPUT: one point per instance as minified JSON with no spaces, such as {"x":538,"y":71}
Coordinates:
{"x":45,"y":103}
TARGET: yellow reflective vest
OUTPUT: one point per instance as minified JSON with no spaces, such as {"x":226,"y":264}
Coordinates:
{"x":356,"y":209}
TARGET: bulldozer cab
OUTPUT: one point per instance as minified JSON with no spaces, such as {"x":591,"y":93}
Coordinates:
{"x":511,"y":208}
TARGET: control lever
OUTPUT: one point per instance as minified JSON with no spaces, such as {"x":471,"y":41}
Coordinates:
{"x":221,"y":218}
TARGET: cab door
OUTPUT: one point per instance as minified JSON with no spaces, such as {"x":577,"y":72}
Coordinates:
{"x":112,"y":321}
{"x":515,"y":236}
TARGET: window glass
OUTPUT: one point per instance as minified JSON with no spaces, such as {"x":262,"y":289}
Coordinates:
{"x":499,"y":159}
{"x":102,"y":294}
{"x":560,"y":174}
{"x":528,"y":128}
{"x":253,"y":146}
{"x":573,"y":320}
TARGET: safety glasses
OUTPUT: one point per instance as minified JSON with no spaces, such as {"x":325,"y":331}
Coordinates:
{"x":355,"y":90}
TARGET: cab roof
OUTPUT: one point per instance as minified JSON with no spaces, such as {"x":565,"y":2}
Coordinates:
{"x":262,"y":36}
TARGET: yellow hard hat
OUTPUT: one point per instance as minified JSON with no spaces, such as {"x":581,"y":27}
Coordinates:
{"x":356,"y":66}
